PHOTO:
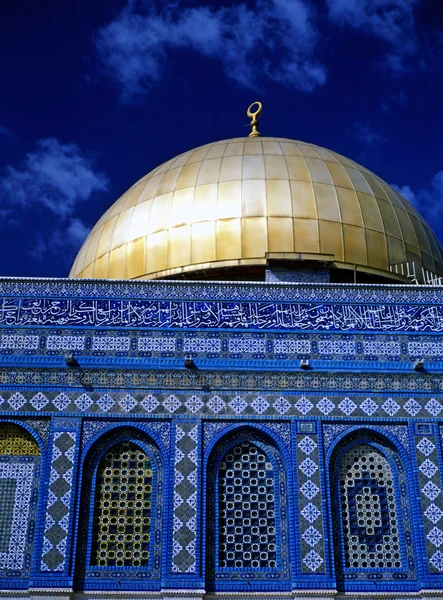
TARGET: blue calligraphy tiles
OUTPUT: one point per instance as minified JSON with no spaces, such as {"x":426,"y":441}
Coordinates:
{"x":59,"y":501}
{"x":233,"y":315}
{"x":312,"y":552}
{"x":185,"y":498}
{"x":430,"y":481}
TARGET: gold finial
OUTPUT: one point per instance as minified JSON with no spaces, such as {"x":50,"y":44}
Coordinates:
{"x":254,"y":118}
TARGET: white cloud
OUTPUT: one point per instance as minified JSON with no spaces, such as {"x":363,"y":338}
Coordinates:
{"x":390,"y":20}
{"x":273,"y":39}
{"x":55,"y":176}
{"x":53,"y":180}
{"x":428,"y":201}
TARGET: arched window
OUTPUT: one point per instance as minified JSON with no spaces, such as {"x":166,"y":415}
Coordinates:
{"x":122,"y":513}
{"x":246,"y":509}
{"x":371,"y":510}
{"x":121,"y":517}
{"x":247,"y":515}
{"x":20,"y":467}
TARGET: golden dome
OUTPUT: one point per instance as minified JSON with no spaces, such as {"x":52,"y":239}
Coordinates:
{"x":244,"y":201}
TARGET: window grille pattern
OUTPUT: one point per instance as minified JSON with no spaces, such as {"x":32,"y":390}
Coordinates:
{"x":246,"y":502}
{"x":16,"y":441}
{"x":368,"y":509}
{"x":122,"y":512}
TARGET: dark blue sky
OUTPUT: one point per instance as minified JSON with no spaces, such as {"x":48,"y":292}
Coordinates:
{"x":94,"y":95}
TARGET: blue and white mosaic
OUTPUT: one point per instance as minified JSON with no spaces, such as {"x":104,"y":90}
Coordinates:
{"x":221,"y":404}
{"x":430,"y":481}
{"x":310,"y":505}
{"x":184,"y":530}
{"x":15,"y":536}
{"x":59,"y":501}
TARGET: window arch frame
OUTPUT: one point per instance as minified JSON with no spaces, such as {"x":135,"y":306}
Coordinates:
{"x":391,"y":452}
{"x":279,"y":578}
{"x":92,"y":498}
{"x":145,"y":577}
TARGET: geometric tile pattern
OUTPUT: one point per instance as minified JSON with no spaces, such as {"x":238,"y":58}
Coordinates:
{"x":205,"y":403}
{"x":276,"y":346}
{"x":20,"y":469}
{"x":368,"y":509}
{"x":59,"y":501}
{"x":246,"y":510}
{"x":93,"y":428}
{"x":430,"y":482}
{"x":16,"y":483}
{"x":312,"y":555}
{"x":400,"y":432}
{"x":15,"y":440}
{"x":122,"y":517}
{"x":184,"y":532}
{"x":207,"y":290}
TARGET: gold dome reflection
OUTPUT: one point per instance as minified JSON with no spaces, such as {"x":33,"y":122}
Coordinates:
{"x":239,"y":202}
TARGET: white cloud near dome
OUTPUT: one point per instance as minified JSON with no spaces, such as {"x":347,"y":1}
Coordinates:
{"x":275,"y":39}
{"x":55,"y":176}
{"x":428,"y":201}
{"x":52,"y":179}
{"x":390,"y":20}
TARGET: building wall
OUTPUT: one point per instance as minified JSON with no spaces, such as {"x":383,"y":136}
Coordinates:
{"x":242,"y":394}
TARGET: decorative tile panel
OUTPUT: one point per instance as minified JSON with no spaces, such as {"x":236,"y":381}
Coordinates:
{"x":312,"y":552}
{"x":19,"y":342}
{"x":218,"y":345}
{"x":20,"y":471}
{"x":208,"y":290}
{"x":205,"y":403}
{"x":185,"y":498}
{"x":399,"y":432}
{"x":430,"y":481}
{"x":16,"y":486}
{"x":59,"y":501}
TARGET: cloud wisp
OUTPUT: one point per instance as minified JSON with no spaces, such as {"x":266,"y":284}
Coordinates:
{"x":276,"y":40}
{"x":52,"y":180}
{"x":428,"y":201}
{"x":389,"y":20}
{"x":364,"y":133}
{"x":5,"y":131}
